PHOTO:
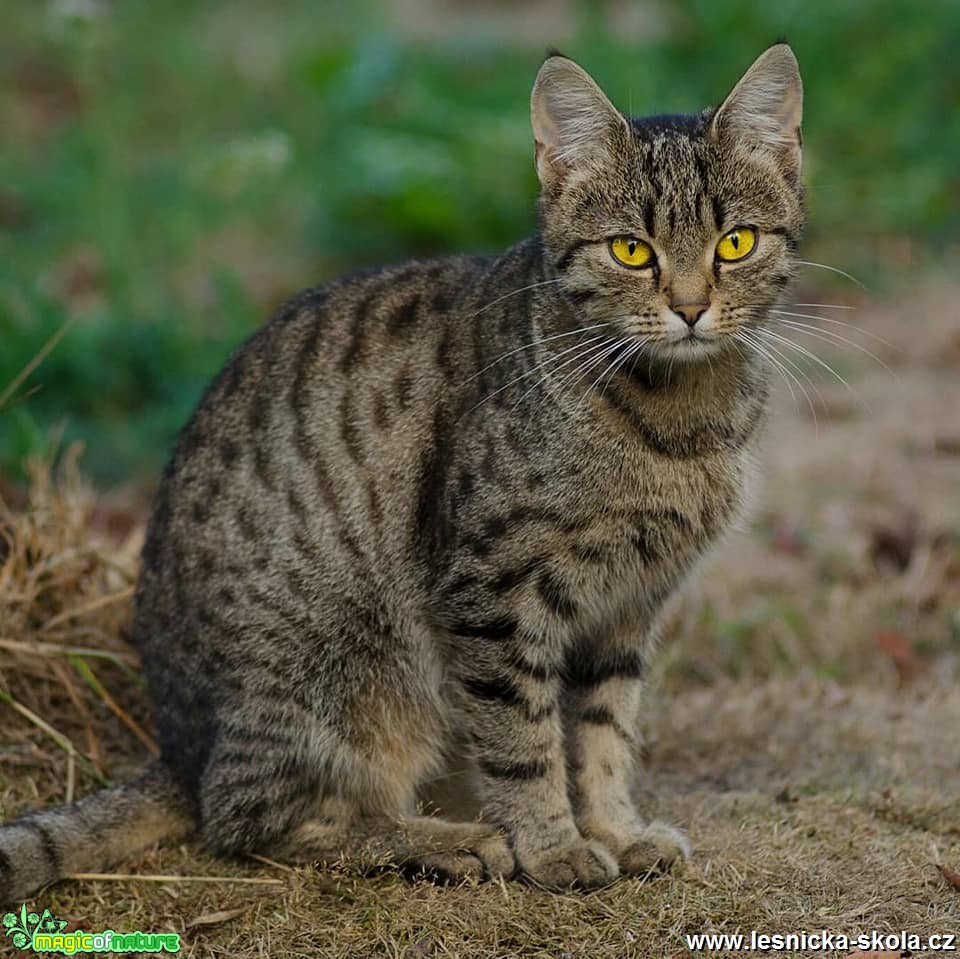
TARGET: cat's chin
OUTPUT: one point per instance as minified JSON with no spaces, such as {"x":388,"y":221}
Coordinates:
{"x":692,"y":349}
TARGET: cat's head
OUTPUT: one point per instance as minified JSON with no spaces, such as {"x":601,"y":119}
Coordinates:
{"x":678,"y":229}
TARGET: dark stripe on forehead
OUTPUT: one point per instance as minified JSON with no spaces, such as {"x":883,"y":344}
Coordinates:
{"x":701,"y":170}
{"x":719,"y":211}
{"x":648,"y":218}
{"x":645,"y":154}
{"x":692,"y":125}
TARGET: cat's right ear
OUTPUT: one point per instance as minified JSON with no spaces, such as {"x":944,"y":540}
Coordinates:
{"x":765,"y":109}
{"x":574,"y":124}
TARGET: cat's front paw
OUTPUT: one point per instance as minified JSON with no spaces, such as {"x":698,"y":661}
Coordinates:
{"x":581,"y":864}
{"x":651,"y":850}
{"x":483,"y":857}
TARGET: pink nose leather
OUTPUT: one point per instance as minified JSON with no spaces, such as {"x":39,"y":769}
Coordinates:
{"x":690,"y":312}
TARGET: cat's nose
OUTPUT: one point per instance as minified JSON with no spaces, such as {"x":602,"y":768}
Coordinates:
{"x":690,"y":312}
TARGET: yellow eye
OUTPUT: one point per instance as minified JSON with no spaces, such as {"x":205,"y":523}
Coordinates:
{"x":737,"y":244}
{"x":630,"y":251}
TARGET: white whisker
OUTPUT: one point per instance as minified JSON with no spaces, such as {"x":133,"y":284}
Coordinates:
{"x":611,"y":369}
{"x":835,"y":322}
{"x":631,"y":352}
{"x":530,"y":346}
{"x":833,"y":269}
{"x":739,"y":337}
{"x":523,"y":289}
{"x":826,"y":306}
{"x":598,"y":349}
{"x":786,"y":341}
{"x":583,"y":368}
{"x":829,"y":336}
{"x":790,"y":369}
{"x":619,"y":344}
{"x":540,"y":366}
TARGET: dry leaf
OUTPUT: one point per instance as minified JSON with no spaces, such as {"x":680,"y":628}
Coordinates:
{"x":78,"y":279}
{"x":952,"y":877}
{"x":785,"y":796}
{"x":898,"y":648}
{"x":788,"y":540}
{"x":947,"y":444}
{"x":213,"y":918}
{"x":424,"y":946}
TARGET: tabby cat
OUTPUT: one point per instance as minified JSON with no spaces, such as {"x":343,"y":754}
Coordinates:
{"x":411,"y":548}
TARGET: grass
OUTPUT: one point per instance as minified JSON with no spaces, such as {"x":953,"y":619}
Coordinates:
{"x":173,"y":171}
{"x":801,"y":727}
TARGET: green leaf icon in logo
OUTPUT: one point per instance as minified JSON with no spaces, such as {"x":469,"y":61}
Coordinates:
{"x":50,"y":923}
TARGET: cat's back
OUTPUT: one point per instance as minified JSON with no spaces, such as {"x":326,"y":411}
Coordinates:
{"x":312,"y":439}
{"x":370,"y":332}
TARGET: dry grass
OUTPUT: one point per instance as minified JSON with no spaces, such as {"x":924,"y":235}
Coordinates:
{"x":803,"y":728}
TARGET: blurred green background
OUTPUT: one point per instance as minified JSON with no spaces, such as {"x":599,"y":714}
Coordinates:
{"x":171,"y":171}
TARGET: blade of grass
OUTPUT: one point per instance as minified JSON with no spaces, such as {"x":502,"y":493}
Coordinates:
{"x":90,"y":607}
{"x":271,"y":862}
{"x":130,"y":877}
{"x":93,"y":744}
{"x":62,"y":741}
{"x":88,"y":675}
{"x":36,"y":360}
{"x":37,"y":648}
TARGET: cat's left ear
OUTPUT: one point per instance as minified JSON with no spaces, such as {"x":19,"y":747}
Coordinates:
{"x":765,"y":109}
{"x":575,"y":126}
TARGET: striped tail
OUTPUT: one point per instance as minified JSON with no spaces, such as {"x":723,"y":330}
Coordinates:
{"x":92,"y":833}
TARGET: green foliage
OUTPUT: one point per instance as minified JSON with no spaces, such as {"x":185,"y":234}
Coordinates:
{"x":171,"y":171}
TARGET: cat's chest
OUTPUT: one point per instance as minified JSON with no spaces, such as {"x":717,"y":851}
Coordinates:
{"x":637,"y":526}
{"x":571,"y":530}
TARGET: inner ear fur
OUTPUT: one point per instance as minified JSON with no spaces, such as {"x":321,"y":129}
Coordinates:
{"x":574,"y":124}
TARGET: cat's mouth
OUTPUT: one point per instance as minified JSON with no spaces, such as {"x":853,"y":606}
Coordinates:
{"x":691,"y":344}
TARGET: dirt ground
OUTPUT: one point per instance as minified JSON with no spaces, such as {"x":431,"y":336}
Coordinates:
{"x":802,"y":727}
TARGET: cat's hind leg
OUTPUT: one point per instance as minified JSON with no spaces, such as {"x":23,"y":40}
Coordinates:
{"x":427,"y":845}
{"x":324,"y":799}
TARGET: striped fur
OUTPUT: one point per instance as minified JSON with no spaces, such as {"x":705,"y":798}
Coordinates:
{"x":415,"y":539}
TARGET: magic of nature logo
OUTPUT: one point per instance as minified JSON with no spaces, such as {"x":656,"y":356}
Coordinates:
{"x":44,"y":932}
